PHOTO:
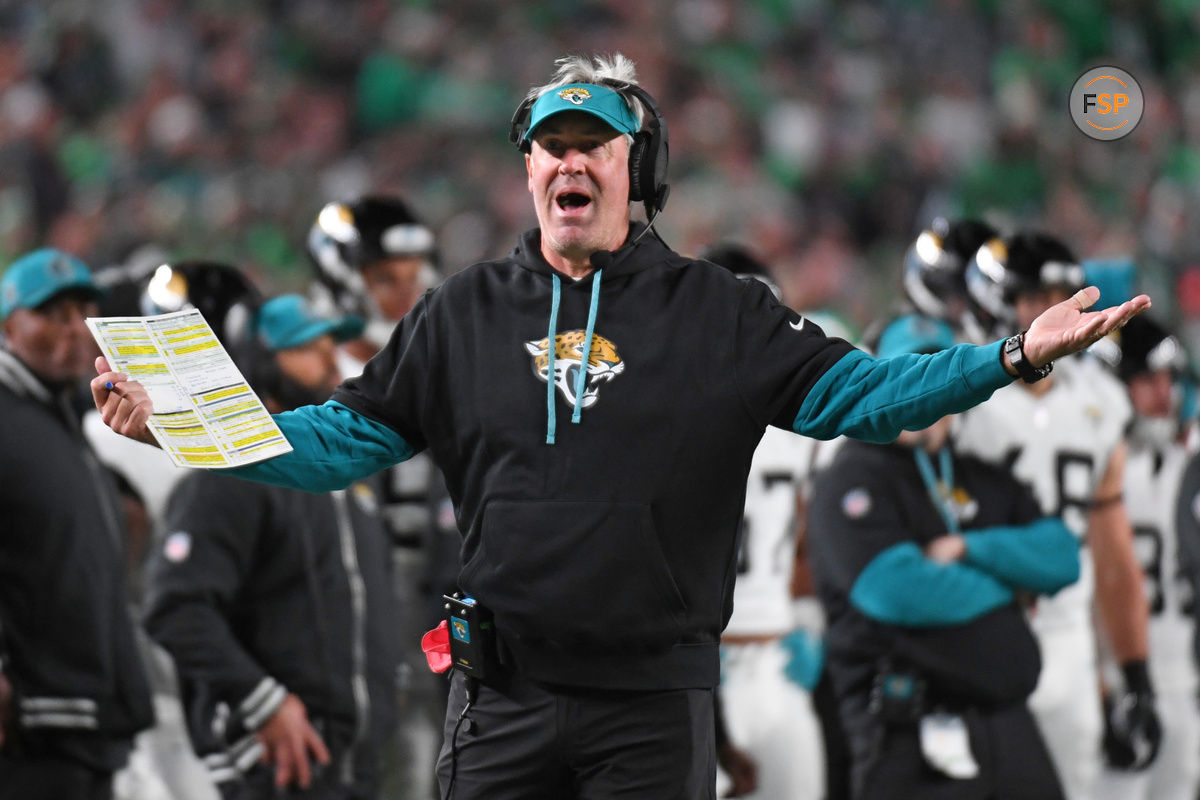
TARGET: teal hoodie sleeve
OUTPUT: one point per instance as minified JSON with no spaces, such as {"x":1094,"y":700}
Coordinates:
{"x":875,"y":399}
{"x":1042,"y":556}
{"x":332,"y":446}
{"x":950,"y":594}
{"x":791,"y":375}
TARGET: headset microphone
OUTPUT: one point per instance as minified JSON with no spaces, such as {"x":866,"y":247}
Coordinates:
{"x":603,"y":259}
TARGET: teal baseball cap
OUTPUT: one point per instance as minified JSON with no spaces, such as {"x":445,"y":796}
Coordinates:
{"x":914,"y":333}
{"x":590,"y":98}
{"x":289,"y":321}
{"x":37,"y":277}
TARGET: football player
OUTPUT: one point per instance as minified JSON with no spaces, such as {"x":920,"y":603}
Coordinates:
{"x":934,"y":266}
{"x":1064,"y":435}
{"x":373,"y":258}
{"x":1151,"y":362}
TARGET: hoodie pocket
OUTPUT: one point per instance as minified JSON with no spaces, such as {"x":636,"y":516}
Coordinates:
{"x":586,"y":575}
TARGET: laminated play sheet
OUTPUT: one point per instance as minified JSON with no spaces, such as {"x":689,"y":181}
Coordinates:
{"x":205,"y":413}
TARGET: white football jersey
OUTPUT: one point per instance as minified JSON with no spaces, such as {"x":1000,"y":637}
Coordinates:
{"x":762,"y":601}
{"x":1060,"y":444}
{"x":1152,"y":481}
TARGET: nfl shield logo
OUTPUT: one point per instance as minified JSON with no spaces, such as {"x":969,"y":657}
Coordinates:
{"x":856,"y":503}
{"x":178,"y":546}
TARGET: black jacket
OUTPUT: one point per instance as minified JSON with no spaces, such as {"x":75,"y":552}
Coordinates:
{"x":257,"y":591}
{"x":608,"y":557}
{"x":871,"y":499}
{"x":66,"y":636}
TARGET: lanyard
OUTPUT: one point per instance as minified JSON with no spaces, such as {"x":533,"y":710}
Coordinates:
{"x":941,"y":488}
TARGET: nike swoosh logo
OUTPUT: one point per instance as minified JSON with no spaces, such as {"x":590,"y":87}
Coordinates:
{"x":797,"y":325}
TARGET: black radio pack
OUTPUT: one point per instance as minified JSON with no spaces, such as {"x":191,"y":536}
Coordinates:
{"x":897,"y":698}
{"x":472,"y":636}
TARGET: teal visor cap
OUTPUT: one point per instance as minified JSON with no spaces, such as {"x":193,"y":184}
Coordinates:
{"x":289,"y":321}
{"x":37,"y":277}
{"x":599,"y":101}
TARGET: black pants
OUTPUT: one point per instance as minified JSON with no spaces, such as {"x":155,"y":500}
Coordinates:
{"x":837,"y":750}
{"x":1013,"y":761}
{"x":533,"y":742}
{"x":51,"y":777}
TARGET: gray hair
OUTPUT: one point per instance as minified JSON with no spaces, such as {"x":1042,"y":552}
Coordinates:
{"x":602,"y":70}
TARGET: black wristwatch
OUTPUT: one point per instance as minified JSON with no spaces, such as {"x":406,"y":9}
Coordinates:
{"x":1014,"y":346}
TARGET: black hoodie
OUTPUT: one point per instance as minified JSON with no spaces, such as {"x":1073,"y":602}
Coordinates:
{"x":607,"y":556}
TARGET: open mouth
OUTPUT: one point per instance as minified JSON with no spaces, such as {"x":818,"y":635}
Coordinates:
{"x":570,"y":200}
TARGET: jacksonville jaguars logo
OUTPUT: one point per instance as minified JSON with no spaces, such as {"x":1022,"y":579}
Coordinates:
{"x":603,"y":364}
{"x":962,"y":505}
{"x":575,"y":95}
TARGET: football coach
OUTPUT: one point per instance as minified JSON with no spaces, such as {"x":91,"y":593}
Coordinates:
{"x":594,"y":399}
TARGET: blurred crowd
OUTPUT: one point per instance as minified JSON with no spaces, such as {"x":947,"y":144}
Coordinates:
{"x":825,"y":133}
{"x":210,"y":134}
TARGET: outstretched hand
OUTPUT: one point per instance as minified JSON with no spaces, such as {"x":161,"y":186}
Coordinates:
{"x":1069,"y":327}
{"x":123,"y":404}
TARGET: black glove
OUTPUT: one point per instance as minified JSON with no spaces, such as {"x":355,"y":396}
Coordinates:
{"x":1132,"y":732}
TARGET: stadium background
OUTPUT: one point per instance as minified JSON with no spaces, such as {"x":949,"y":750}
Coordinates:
{"x":824,"y":133}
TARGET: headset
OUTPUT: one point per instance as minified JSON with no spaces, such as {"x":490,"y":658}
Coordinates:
{"x":648,"y":155}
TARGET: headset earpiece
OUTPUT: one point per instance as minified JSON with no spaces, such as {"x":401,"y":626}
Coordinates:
{"x":638,"y":190}
{"x":519,"y":124}
{"x":648,"y":155}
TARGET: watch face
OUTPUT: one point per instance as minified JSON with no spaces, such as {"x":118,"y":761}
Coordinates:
{"x":1013,"y":348}
{"x":1016,"y":356}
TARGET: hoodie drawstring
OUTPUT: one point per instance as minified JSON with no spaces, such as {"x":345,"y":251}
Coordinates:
{"x":581,"y":376}
{"x":551,"y":421}
{"x":552,"y":345}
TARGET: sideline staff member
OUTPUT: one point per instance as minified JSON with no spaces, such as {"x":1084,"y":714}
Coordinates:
{"x":595,"y":413}
{"x":920,"y":556}
{"x":67,"y":650}
{"x":243,"y":564}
